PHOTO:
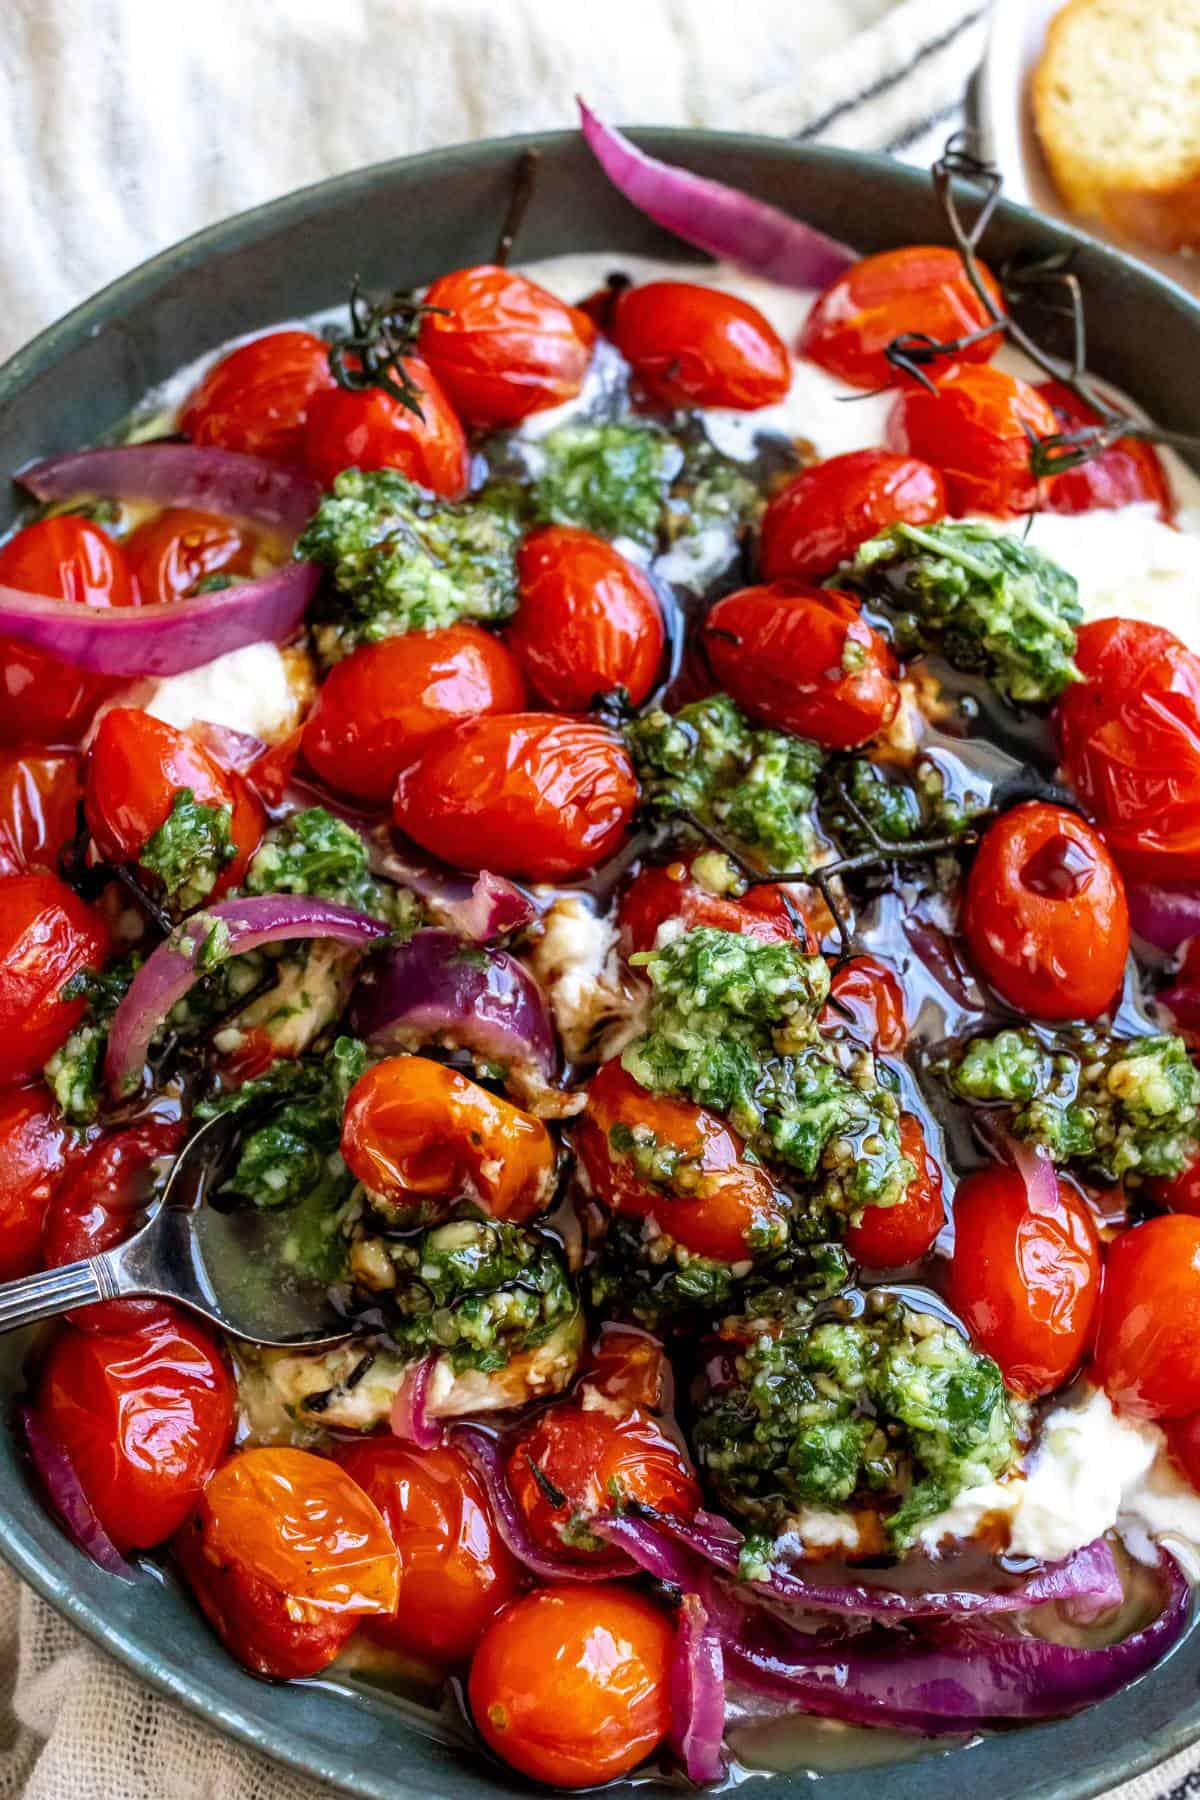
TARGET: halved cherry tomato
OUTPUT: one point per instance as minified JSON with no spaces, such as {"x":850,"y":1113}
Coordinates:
{"x":502,"y":346}
{"x":891,"y":1237}
{"x":385,"y":700}
{"x":1045,"y":917}
{"x":145,"y":1417}
{"x":171,"y":553}
{"x":540,"y":796}
{"x":803,"y":659}
{"x":1183,"y":1442}
{"x":626,"y":1365}
{"x":37,"y":1147}
{"x":48,"y":935}
{"x":256,"y":398}
{"x":695,"y":346}
{"x":286,"y":1554}
{"x":371,"y":429}
{"x":668,"y":892}
{"x":874,"y":996}
{"x":588,"y":622}
{"x":40,"y":791}
{"x":821,"y":517}
{"x":68,"y":558}
{"x":1128,"y":474}
{"x":137,"y":765}
{"x":718,"y":1204}
{"x":420,"y":1133}
{"x":573,"y":1462}
{"x":921,"y":289}
{"x":1025,"y":1277}
{"x":1130,"y":738}
{"x":1147,"y":1355}
{"x":97,"y":1205}
{"x":569,"y":1684}
{"x":978,"y":429}
{"x":455,"y":1570}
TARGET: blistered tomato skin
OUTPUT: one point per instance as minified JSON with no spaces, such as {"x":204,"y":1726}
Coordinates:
{"x":40,"y":793}
{"x":1129,"y":473}
{"x":867,"y":998}
{"x":818,"y":521}
{"x":501,"y":346}
{"x":1147,"y":1355}
{"x":922,"y":288}
{"x":48,"y":935}
{"x":803,"y":659}
{"x":1178,"y":1193}
{"x":455,"y":1569}
{"x":1046,"y":918}
{"x":256,"y":399}
{"x":383,"y":701}
{"x":423,"y":1135}
{"x":1183,"y":1443}
{"x":145,"y":1417}
{"x":569,"y":1684}
{"x":695,"y":346}
{"x":37,"y":1147}
{"x":588,"y":620}
{"x":665,"y":892}
{"x":171,"y":553}
{"x":1024,"y":1277}
{"x":978,"y":429}
{"x":891,"y":1237}
{"x":371,"y":429}
{"x":539,"y":796}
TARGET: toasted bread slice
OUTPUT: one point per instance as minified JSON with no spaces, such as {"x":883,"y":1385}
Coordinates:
{"x":1116,"y":99}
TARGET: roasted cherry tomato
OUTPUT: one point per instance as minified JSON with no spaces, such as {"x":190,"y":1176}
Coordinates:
{"x":1178,"y":1193}
{"x":569,"y":1685}
{"x":721,"y":1203}
{"x":1129,"y":473}
{"x":40,"y":791}
{"x":37,"y":1147}
{"x":502,"y":346}
{"x":669,"y":892}
{"x":1183,"y":1442}
{"x":68,"y":558}
{"x":384,"y":700}
{"x":803,"y":659}
{"x":588,"y":620}
{"x":371,"y":429}
{"x":1147,"y":1355}
{"x":1025,"y":1275}
{"x":286,"y":1554}
{"x":539,"y":796}
{"x":256,"y":399}
{"x":1045,"y":917}
{"x":421,"y":1134}
{"x":695,"y":346}
{"x":978,"y":428}
{"x":48,"y":936}
{"x":891,"y":1237}
{"x":170,"y":554}
{"x":1130,"y":737}
{"x":873,"y":995}
{"x":626,"y":1365}
{"x":455,"y":1569}
{"x":145,"y":1417}
{"x":137,"y":765}
{"x":99,"y":1203}
{"x":922,"y":289}
{"x":573,"y":1462}
{"x":820,"y":518}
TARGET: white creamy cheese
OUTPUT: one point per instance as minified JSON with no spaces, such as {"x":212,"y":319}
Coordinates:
{"x":576,"y":962}
{"x":252,"y":690}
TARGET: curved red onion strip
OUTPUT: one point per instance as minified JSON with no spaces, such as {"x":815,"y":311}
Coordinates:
{"x":697,"y":1693}
{"x":57,"y":1474}
{"x":220,"y":481}
{"x":487,"y":1459}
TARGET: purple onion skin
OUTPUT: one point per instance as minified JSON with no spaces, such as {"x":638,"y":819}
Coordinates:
{"x":487,"y":1459}
{"x":479,"y":907}
{"x":57,"y":1475}
{"x":220,"y":481}
{"x":697,"y":1692}
{"x":1166,"y":914}
{"x":409,"y":1419}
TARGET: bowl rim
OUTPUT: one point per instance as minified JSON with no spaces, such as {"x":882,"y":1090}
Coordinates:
{"x":19,"y":1547}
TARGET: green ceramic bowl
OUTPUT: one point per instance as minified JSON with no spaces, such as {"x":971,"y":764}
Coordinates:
{"x":403,"y":223}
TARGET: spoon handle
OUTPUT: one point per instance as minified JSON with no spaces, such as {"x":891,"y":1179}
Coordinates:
{"x":37,"y":1297}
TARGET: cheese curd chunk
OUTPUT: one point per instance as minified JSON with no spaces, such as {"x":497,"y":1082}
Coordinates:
{"x":262,"y":690}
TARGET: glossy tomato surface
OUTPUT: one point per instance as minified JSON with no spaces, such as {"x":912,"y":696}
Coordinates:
{"x":696,"y":346}
{"x":891,"y":1237}
{"x":182,"y":546}
{"x":501,"y":346}
{"x":37,"y":1147}
{"x":569,"y":1684}
{"x":40,"y":791}
{"x":540,"y":796}
{"x":818,"y":520}
{"x":978,"y":428}
{"x":668,"y":891}
{"x":588,"y":620}
{"x":1046,"y":918}
{"x":100,"y":1203}
{"x":867,"y":997}
{"x":455,"y":1569}
{"x":1147,"y":1355}
{"x":256,"y":398}
{"x":48,"y":938}
{"x":804,"y":660}
{"x":371,"y":429}
{"x":921,"y":289}
{"x":1025,"y":1276}
{"x":1129,"y":473}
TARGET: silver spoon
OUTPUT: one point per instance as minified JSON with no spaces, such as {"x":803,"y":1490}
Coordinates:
{"x":227,"y":1266}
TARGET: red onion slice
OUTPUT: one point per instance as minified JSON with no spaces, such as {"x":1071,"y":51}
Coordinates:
{"x":1164,"y":913}
{"x":479,"y":907}
{"x":697,"y":1693}
{"x":179,"y":963}
{"x":716,"y":218}
{"x":409,"y":1418}
{"x":57,"y":1474}
{"x":220,"y":481}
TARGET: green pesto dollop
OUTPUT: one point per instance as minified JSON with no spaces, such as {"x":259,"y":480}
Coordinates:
{"x":74,"y":1073}
{"x":189,"y":850}
{"x":311,"y":852}
{"x":609,"y":478}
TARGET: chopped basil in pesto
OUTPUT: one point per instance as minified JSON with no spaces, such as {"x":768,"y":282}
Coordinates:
{"x":189,"y":850}
{"x":311,"y":852}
